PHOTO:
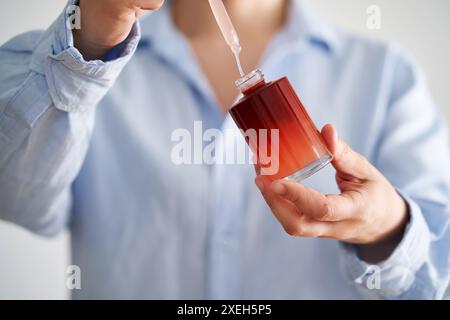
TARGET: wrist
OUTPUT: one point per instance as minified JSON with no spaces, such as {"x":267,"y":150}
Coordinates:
{"x":383,"y":246}
{"x":101,"y":29}
{"x":91,"y":49}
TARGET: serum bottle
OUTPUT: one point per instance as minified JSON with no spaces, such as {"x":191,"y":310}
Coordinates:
{"x":271,"y":106}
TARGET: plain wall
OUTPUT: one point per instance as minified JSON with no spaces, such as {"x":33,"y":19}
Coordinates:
{"x":32,"y":267}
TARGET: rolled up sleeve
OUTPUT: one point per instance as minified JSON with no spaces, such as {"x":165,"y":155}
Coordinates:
{"x":397,"y":274}
{"x":48,"y":98}
{"x":74,"y":83}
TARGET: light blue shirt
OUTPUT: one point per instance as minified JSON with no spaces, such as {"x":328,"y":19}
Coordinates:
{"x":87,"y":145}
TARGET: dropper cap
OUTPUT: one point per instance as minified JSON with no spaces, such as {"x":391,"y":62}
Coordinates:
{"x":251,"y":81}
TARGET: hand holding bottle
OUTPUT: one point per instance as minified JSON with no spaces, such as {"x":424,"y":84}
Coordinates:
{"x":368,"y":213}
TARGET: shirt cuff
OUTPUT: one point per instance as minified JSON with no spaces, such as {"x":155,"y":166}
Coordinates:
{"x":75,"y":84}
{"x":395,"y":276}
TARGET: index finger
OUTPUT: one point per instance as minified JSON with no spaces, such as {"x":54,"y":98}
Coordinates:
{"x":313,"y":203}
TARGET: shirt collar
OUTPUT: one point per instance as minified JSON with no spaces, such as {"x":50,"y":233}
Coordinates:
{"x":303,"y":30}
{"x":170,"y":46}
{"x":304,"y":24}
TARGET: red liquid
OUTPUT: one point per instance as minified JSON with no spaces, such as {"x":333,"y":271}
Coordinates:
{"x":275,"y":105}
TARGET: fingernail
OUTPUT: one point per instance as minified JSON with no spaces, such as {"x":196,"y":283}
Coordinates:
{"x":260,"y":184}
{"x":278,"y":188}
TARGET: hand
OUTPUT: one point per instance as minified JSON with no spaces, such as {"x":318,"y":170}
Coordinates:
{"x":106,"y":23}
{"x":368,"y":212}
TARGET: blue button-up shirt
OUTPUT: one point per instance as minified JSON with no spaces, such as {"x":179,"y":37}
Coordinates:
{"x":87,"y":145}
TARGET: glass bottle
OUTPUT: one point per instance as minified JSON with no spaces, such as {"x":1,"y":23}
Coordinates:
{"x":267,"y":106}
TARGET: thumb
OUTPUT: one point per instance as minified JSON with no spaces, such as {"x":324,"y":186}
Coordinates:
{"x":345,"y":159}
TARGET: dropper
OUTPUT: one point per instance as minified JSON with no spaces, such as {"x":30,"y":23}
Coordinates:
{"x":228,"y":31}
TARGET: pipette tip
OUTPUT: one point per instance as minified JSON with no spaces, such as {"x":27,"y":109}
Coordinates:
{"x":239,"y":65}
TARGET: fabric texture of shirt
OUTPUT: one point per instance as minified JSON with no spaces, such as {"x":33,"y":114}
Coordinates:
{"x":87,"y":145}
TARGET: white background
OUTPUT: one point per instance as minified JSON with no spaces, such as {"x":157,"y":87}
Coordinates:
{"x":32,"y":267}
